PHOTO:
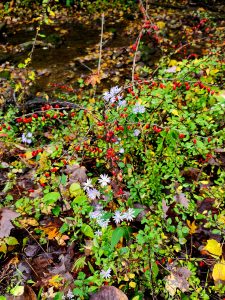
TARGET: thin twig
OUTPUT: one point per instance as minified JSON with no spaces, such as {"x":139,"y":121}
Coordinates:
{"x":135,"y":55}
{"x":100,"y":46}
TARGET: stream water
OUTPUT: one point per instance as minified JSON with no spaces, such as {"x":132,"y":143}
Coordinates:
{"x":59,"y":56}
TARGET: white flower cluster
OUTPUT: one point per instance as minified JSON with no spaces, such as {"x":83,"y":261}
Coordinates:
{"x":127,"y":216}
{"x":97,"y":214}
{"x":26,"y":138}
{"x":93,"y":193}
{"x":110,"y":96}
{"x":69,"y":295}
{"x":138,"y":109}
{"x":118,"y":217}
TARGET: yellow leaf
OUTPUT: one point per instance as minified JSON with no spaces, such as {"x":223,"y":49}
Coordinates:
{"x":126,"y":278}
{"x":51,"y":13}
{"x":218,"y":272}
{"x":28,"y":155}
{"x":132,"y":284}
{"x":131,"y":275}
{"x":161,"y":24}
{"x":55,"y":281}
{"x":172,"y":63}
{"x":3,"y":248}
{"x":28,"y":222}
{"x":221,"y":219}
{"x":213,"y":247}
{"x":192,"y":227}
{"x":174,"y":112}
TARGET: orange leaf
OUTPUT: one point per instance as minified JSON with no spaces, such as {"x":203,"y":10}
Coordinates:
{"x":93,"y":79}
{"x":192,"y":227}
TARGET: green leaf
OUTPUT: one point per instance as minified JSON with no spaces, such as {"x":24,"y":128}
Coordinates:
{"x":127,"y":232}
{"x":91,"y":268}
{"x":79,"y":200}
{"x":17,"y":290}
{"x":2,"y":298}
{"x":75,"y":189}
{"x":56,"y":211}
{"x":117,"y":234}
{"x":155,"y":270}
{"x":137,"y":211}
{"x":64,"y":228}
{"x":58,"y":296}
{"x":63,"y":179}
{"x":11,"y":241}
{"x":51,"y":197}
{"x":87,"y":230}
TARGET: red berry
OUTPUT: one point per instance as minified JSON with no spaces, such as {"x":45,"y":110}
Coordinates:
{"x":181,"y":135}
{"x":201,"y":263}
{"x":19,"y":120}
{"x":194,"y":141}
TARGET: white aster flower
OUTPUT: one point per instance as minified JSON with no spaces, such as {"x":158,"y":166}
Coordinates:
{"x":98,"y":233}
{"x":121,"y":150}
{"x":99,"y":207}
{"x":70,"y":295}
{"x":112,"y":94}
{"x":129,"y":214}
{"x":115,"y":90}
{"x":26,"y":138}
{"x":138,"y":109}
{"x":122,"y":103}
{"x":137,"y":132}
{"x":93,"y":194}
{"x":87,"y":185}
{"x":107,"y":96}
{"x":104,"y":180}
{"x":171,"y":69}
{"x":97,"y":214}
{"x":103,"y":223}
{"x":118,"y":217}
{"x":106,"y":274}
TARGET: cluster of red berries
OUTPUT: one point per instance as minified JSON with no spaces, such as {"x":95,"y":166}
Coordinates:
{"x":208,"y":157}
{"x":148,"y":25}
{"x":110,"y":137}
{"x":62,"y":87}
{"x":202,"y":86}
{"x":34,"y":153}
{"x":7,"y":127}
{"x":201,"y":24}
{"x":157,"y":129}
{"x":89,"y":148}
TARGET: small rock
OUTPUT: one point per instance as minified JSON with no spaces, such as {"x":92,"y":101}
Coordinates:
{"x":109,"y":293}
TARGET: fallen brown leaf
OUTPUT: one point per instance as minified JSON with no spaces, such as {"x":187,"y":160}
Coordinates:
{"x":6,"y":216}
